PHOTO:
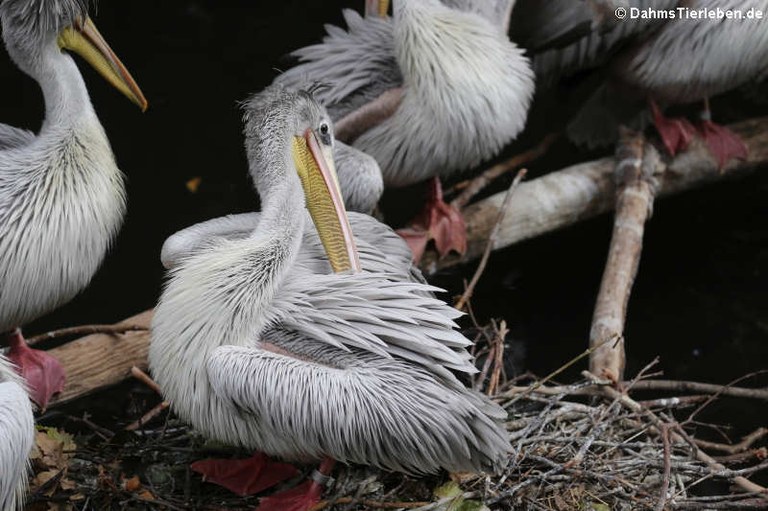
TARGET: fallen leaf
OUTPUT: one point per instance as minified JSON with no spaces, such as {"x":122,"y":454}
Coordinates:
{"x":193,"y":184}
{"x":132,"y":484}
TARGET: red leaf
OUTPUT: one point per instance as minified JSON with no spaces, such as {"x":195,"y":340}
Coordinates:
{"x":244,"y":476}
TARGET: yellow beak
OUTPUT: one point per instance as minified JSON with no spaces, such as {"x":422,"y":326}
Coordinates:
{"x":376,"y":8}
{"x":84,"y":39}
{"x":321,"y":189}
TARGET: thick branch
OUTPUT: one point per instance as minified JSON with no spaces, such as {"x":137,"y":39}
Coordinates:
{"x":582,"y":191}
{"x":635,"y":168}
{"x":99,"y":360}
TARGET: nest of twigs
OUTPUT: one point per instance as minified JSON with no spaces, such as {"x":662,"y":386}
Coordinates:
{"x":583,"y":446}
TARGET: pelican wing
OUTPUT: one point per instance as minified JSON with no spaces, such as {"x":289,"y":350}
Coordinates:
{"x":11,"y":137}
{"x":354,"y":65}
{"x":201,"y":236}
{"x":312,"y":400}
{"x":564,"y":39}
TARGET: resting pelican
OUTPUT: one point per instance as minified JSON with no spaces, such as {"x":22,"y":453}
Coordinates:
{"x":17,"y":432}
{"x":669,"y":61}
{"x":311,"y":342}
{"x":466,"y":88}
{"x":62,"y":197}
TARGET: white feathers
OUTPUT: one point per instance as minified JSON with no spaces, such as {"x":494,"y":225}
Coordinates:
{"x":62,"y":198}
{"x":257,"y":343}
{"x":17,"y":430}
{"x":467,"y":87}
{"x":692,"y":59}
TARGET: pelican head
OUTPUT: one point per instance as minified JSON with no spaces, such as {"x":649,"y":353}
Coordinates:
{"x":37,"y":31}
{"x":292,"y":128}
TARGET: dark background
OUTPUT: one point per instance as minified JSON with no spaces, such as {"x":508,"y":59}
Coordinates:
{"x":699,"y":300}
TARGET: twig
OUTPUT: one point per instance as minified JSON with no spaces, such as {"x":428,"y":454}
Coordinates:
{"x":368,"y":504}
{"x":491,"y":241}
{"x":498,"y":357}
{"x":710,"y":388}
{"x":151,"y":414}
{"x":746,"y":442}
{"x":667,"y":468}
{"x":119,"y":328}
{"x":678,"y":436}
{"x":635,"y":168}
{"x":145,"y":379}
{"x":472,"y":187}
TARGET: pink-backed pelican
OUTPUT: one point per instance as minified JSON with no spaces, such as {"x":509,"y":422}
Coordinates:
{"x":62,"y":197}
{"x":306,"y":333}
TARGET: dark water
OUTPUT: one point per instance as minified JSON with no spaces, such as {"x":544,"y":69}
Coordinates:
{"x":699,"y":301}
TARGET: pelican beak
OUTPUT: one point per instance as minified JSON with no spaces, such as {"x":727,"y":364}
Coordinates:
{"x":376,"y":8}
{"x":84,"y":39}
{"x":314,"y":163}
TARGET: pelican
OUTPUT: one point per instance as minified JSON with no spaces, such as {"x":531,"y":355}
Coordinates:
{"x":466,"y":87}
{"x":17,"y":432}
{"x":668,"y":61}
{"x":62,"y":197}
{"x":306,"y":333}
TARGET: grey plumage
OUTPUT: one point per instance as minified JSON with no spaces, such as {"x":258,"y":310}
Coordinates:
{"x":17,"y":430}
{"x":62,"y":197}
{"x":678,"y":60}
{"x":467,"y":88}
{"x":257,"y":343}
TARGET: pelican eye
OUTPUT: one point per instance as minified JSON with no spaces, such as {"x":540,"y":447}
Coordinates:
{"x":325,"y":133}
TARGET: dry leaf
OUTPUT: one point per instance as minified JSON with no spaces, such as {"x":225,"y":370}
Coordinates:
{"x":132,"y":484}
{"x":193,"y":184}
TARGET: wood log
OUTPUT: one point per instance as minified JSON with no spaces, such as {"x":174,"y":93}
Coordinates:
{"x":582,"y":191}
{"x":99,"y":360}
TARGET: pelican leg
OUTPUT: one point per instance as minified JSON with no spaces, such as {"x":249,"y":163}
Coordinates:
{"x":246,"y":476}
{"x":438,"y":221}
{"x":676,"y":134}
{"x":722,"y":142}
{"x":303,"y":496}
{"x":43,"y":372}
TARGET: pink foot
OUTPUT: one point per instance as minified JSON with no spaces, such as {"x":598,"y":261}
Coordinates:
{"x":246,"y":476}
{"x":44,"y":374}
{"x":675,"y":133}
{"x":303,"y":496}
{"x":300,"y":498}
{"x":438,"y":221}
{"x":722,"y":142}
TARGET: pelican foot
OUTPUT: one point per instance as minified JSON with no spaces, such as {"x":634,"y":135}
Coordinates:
{"x":438,"y":221}
{"x":723,"y":143}
{"x":675,"y":133}
{"x":300,"y":498}
{"x":247,"y":476}
{"x":304,"y":496}
{"x":43,"y":372}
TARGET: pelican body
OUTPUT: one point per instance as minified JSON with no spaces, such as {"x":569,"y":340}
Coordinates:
{"x":17,"y":434}
{"x":306,"y":333}
{"x":62,"y":197}
{"x":671,"y":61}
{"x":466,"y":87}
